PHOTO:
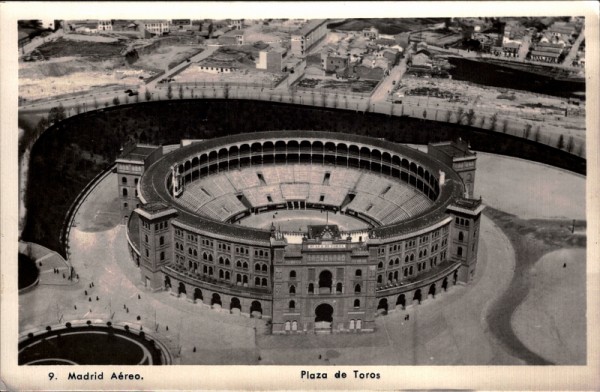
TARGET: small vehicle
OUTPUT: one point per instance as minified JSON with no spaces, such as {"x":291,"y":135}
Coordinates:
{"x":131,"y":94}
{"x":128,"y":91}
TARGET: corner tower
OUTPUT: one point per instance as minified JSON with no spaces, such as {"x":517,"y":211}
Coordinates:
{"x":460,"y":158}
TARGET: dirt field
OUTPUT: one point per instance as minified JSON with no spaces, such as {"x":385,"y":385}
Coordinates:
{"x":160,"y":58}
{"x":543,"y":112}
{"x":297,"y":221}
{"x":194,"y":74}
{"x":528,"y":189}
{"x":555,"y":308}
{"x":62,"y":47}
{"x":338,"y":86}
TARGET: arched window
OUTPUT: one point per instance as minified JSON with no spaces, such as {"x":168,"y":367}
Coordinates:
{"x":238,"y":264}
{"x":125,"y":205}
{"x":390,"y":277}
{"x":467,"y":222}
{"x":459,"y":251}
{"x":379,"y":279}
{"x":412,"y":257}
{"x":135,"y":181}
{"x":220,"y":260}
{"x":380,"y":265}
{"x":257,"y":267}
{"x":264,"y":281}
{"x":162,"y":255}
{"x":358,"y":272}
{"x":245,"y":279}
{"x":406,"y":259}
{"x":227,"y":275}
{"x":265,"y":268}
{"x":292,"y":274}
{"x":245,"y":266}
{"x":391,"y":263}
{"x":292,"y":289}
{"x":461,"y":236}
{"x":161,"y":240}
{"x":204,"y":256}
{"x":227,"y":261}
{"x":210,"y":271}
{"x":338,"y":288}
{"x":210,"y":257}
{"x":311,"y":288}
{"x":146,"y":237}
{"x":397,"y":261}
{"x":238,"y":278}
{"x":124,"y":180}
{"x":221,"y":274}
{"x":396,"y":275}
{"x":357,"y":289}
{"x":205,"y":269}
{"x":292,"y":305}
{"x":257,"y":281}
{"x":357,"y":303}
{"x":124,"y":192}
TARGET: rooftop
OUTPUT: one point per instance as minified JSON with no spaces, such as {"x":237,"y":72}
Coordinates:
{"x":311,"y":25}
{"x":138,"y":152}
{"x":453,"y":149}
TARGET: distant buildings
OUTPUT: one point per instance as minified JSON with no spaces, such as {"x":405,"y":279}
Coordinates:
{"x":270,"y":60}
{"x":232,"y":37}
{"x":307,"y":36}
{"x":370,"y":33}
{"x":156,"y":27}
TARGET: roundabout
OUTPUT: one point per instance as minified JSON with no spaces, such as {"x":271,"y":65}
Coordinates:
{"x":87,"y":344}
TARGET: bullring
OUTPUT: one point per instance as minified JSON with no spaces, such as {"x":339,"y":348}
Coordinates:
{"x":418,"y":225}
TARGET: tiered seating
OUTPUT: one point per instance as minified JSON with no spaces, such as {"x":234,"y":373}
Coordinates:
{"x":193,"y":196}
{"x":373,"y":184}
{"x":333,"y":196}
{"x":257,"y":196}
{"x":317,"y":173}
{"x":399,"y":194}
{"x":416,"y":204}
{"x":294,"y":191}
{"x":344,"y":178}
{"x":242,"y":179}
{"x":396,"y":215}
{"x":301,"y":173}
{"x":222,"y":207}
{"x":219,"y":185}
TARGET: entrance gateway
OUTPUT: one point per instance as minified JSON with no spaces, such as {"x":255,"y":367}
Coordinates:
{"x":324,"y":318}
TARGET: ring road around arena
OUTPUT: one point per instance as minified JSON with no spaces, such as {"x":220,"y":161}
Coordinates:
{"x":412,"y":224}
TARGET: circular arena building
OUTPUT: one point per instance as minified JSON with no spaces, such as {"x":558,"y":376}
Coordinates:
{"x":317,"y":231}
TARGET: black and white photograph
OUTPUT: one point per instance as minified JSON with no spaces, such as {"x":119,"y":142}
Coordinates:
{"x":299,"y":196}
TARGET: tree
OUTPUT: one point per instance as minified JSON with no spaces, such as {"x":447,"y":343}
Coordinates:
{"x":561,"y":142}
{"x":95,"y":104}
{"x":105,"y":104}
{"x":148,"y":95}
{"x":170,"y":92}
{"x":504,"y":125}
{"x":116,"y":101}
{"x":180,"y":92}
{"x":470,"y":117}
{"x":493,"y":121}
{"x":56,"y":114}
{"x":459,"y":115}
{"x":570,"y":144}
{"x":424,"y":113}
{"x":527,"y":130}
{"x":537,"y":136}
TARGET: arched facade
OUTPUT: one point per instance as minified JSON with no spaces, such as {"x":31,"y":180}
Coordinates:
{"x":258,"y":273}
